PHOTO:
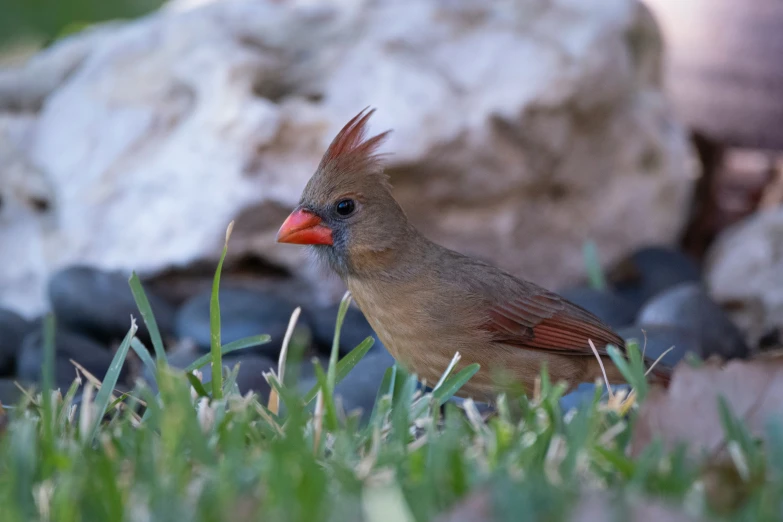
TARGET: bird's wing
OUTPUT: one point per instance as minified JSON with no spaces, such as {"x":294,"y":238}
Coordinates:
{"x":535,"y":318}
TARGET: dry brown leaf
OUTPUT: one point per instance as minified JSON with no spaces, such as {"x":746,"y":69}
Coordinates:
{"x":688,"y":411}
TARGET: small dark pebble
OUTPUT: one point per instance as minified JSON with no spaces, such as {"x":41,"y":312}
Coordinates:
{"x":243,"y":313}
{"x":13,"y":328}
{"x":355,"y":328}
{"x":100,"y":304}
{"x":94,"y":357}
{"x":649,"y":271}
{"x":688,"y":306}
{"x":607,"y":306}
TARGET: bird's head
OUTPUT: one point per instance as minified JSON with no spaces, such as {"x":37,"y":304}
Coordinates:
{"x":347,"y":212}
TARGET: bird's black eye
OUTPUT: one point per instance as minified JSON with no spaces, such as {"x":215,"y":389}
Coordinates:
{"x":345,"y":207}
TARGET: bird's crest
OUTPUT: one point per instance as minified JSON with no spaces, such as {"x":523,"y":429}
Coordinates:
{"x":350,"y":148}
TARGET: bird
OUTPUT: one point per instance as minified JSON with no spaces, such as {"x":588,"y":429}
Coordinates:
{"x":426,"y":302}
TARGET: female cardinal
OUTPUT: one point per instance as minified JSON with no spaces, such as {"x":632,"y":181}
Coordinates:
{"x":427,"y":302}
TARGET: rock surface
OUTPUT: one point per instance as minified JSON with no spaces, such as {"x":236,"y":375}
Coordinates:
{"x":354,"y":331}
{"x":689,"y":306}
{"x":25,"y":219}
{"x":244,"y":313}
{"x":650,"y":270}
{"x":358,"y":390}
{"x":654,"y":341}
{"x":100,"y":304}
{"x":744,"y":270}
{"x":13,"y":329}
{"x":610,"y":308}
{"x":94,"y":357}
{"x":509,"y":120}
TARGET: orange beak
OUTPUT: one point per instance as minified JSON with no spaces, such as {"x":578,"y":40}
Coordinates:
{"x":303,"y":227}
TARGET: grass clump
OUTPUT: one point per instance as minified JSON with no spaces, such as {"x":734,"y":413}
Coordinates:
{"x":194,"y":451}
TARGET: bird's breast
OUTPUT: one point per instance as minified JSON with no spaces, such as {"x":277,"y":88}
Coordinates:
{"x":417,"y":330}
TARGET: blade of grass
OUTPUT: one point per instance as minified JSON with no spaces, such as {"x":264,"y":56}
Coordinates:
{"x":288,"y":397}
{"x":401,"y":407}
{"x":387,"y":383}
{"x":214,"y":324}
{"x":328,"y":398}
{"x":274,"y":398}
{"x":150,"y":400}
{"x":197,"y":384}
{"x":103,"y":397}
{"x":774,"y":431}
{"x":622,"y":365}
{"x":234,"y":346}
{"x":593,"y":266}
{"x":603,"y":370}
{"x":318,"y":420}
{"x":48,"y":376}
{"x":67,"y":401}
{"x":116,"y":403}
{"x":345,"y":365}
{"x":637,"y":368}
{"x":246,"y":342}
{"x":268,"y":418}
{"x":231,"y":378}
{"x":90,"y":378}
{"x":331,"y":373}
{"x":619,"y":462}
{"x":147,"y":316}
{"x":144,"y":355}
{"x":446,"y":374}
{"x":450,"y":386}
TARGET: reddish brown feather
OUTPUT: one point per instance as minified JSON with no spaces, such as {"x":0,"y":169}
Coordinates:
{"x":546,"y":322}
{"x":350,"y":142}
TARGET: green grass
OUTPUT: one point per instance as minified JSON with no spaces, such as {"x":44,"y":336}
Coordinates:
{"x":53,"y":19}
{"x":201,"y":452}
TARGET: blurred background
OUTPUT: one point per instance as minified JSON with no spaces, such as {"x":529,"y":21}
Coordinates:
{"x":625,"y":153}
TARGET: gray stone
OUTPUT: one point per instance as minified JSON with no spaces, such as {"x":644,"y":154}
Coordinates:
{"x":744,"y":272}
{"x":100,"y":304}
{"x":94,"y":357}
{"x":648,"y":271}
{"x":354,"y":331}
{"x":13,"y":328}
{"x":688,"y":306}
{"x":244,"y":313}
{"x":10,"y":394}
{"x":606,"y":305}
{"x":655,"y":339}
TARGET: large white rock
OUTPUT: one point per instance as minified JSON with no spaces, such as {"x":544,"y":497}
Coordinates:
{"x":25,"y":202}
{"x":521,"y":129}
{"x":744,"y":269}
